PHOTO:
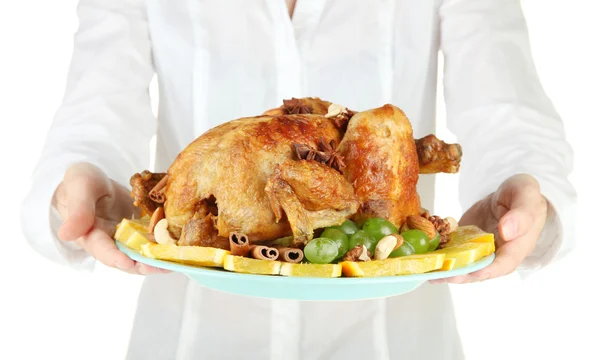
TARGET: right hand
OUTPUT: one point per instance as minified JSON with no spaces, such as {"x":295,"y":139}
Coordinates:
{"x":91,"y":205}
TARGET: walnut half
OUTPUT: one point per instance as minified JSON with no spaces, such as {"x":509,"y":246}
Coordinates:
{"x":359,"y":253}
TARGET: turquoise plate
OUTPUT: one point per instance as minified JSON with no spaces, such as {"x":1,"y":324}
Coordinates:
{"x":304,"y":288}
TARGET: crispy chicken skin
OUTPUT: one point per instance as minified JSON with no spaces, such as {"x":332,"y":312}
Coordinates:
{"x":382,"y":164}
{"x":249,"y":175}
{"x":312,"y":195}
{"x":232,"y":163}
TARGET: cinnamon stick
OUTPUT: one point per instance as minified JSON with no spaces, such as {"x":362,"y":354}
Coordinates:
{"x":291,"y":255}
{"x":157,"y":194}
{"x":262,"y":252}
{"x":239,"y":244}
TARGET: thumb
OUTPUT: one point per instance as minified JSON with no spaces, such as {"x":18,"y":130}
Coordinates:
{"x":522,"y":200}
{"x":515,"y":223}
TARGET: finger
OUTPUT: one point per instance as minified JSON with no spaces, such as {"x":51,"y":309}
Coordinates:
{"x":143,"y":269}
{"x":149,"y":270}
{"x":508,"y":258}
{"x":98,"y":244}
{"x":81,"y":197}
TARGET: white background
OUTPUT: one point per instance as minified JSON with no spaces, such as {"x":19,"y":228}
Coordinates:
{"x":47,"y":311}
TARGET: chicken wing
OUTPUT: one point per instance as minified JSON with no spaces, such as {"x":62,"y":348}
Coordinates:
{"x":312,"y":195}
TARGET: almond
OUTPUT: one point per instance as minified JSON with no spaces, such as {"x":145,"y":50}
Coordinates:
{"x":416,"y":222}
{"x":157,"y":216}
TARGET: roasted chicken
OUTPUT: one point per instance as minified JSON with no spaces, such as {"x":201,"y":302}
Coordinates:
{"x":303,"y":166}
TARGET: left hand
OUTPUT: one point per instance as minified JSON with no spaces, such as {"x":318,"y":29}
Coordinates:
{"x":515,"y":214}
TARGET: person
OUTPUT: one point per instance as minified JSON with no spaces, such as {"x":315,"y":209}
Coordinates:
{"x":220,"y":60}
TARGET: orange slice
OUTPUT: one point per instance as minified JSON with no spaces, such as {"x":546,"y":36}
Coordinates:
{"x":469,"y":234}
{"x":246,"y":265}
{"x":406,"y":265}
{"x":136,"y":240}
{"x":459,"y":255}
{"x":311,"y":270}
{"x":191,"y":255}
{"x":419,"y":263}
{"x":128,"y":227}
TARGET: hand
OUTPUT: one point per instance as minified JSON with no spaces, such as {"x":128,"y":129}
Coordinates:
{"x":91,"y":205}
{"x":516,"y":214}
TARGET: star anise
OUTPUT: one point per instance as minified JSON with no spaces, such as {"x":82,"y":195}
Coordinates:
{"x":326,"y":154}
{"x":295,"y":106}
{"x":304,"y":152}
{"x":329,"y":156}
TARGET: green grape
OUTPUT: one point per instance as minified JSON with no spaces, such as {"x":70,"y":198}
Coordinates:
{"x":361,"y":237}
{"x":348,"y":227}
{"x":340,"y":239}
{"x":379,"y":227}
{"x":434,"y":243}
{"x":321,"y":251}
{"x":405,"y":249}
{"x":418,"y":239}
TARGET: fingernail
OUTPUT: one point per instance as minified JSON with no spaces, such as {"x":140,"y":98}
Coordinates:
{"x":509,"y":229}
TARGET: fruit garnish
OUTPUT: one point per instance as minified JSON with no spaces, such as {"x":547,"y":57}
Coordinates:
{"x":348,"y":227}
{"x":434,"y":243}
{"x":340,"y":238}
{"x":136,"y":240}
{"x":420,"y":263}
{"x":406,"y":249}
{"x":418,"y":239}
{"x":361,"y":237}
{"x":379,"y":227}
{"x":414,"y":264}
{"x":469,"y":233}
{"x":321,"y":251}
{"x":246,"y":265}
{"x":192,"y":255}
{"x":311,"y":270}
{"x":128,"y":227}
{"x":459,"y":255}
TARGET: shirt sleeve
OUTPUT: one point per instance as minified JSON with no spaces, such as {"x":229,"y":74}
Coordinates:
{"x":105,"y":117}
{"x":502,"y":117}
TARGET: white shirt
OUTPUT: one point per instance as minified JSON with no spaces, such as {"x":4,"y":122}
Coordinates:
{"x":221,"y":60}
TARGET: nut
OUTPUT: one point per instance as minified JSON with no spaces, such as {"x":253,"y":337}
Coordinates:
{"x":157,"y":216}
{"x":399,"y":241}
{"x":452,"y":223}
{"x":416,"y":222}
{"x":404,"y":227}
{"x":335,"y":110}
{"x":385,"y":246}
{"x":161,"y":233}
{"x":364,"y":256}
{"x":359,"y":253}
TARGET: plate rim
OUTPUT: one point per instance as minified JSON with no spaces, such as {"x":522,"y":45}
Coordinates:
{"x":222,"y":273}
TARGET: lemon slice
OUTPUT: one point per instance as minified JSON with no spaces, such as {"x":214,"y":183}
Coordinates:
{"x":246,"y":265}
{"x":311,"y":270}
{"x":459,"y":255}
{"x":126,"y":228}
{"x":191,"y":255}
